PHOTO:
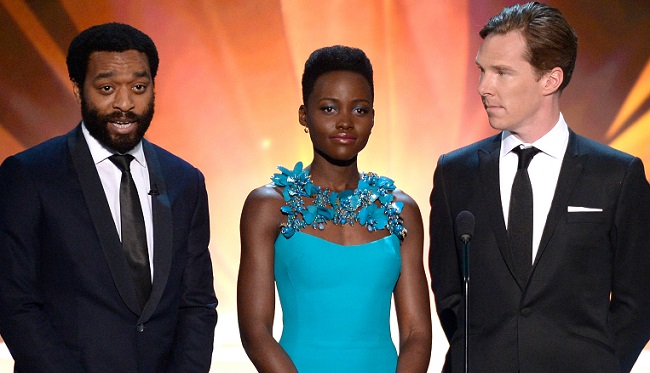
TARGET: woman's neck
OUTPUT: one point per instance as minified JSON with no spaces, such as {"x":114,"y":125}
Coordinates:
{"x":334,"y":177}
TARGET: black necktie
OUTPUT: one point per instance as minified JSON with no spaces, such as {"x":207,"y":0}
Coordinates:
{"x":134,"y":236}
{"x":520,"y":216}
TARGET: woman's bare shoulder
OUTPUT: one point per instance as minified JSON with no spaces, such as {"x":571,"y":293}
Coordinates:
{"x":266,"y":192}
{"x":262,"y":211}
{"x":264,"y":197}
{"x":401,"y":196}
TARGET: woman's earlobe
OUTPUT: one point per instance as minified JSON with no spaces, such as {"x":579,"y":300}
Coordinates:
{"x":302,"y":115}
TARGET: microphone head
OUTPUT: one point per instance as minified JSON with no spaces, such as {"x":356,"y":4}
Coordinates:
{"x":465,"y":226}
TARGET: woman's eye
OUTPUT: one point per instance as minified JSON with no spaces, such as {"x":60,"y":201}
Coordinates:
{"x":362,"y":110}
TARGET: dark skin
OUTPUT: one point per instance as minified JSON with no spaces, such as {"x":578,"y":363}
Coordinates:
{"x":340,"y":116}
{"x":118,"y":87}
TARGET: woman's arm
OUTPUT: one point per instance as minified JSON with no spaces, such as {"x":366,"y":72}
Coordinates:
{"x":412,"y":295}
{"x":259,"y":227}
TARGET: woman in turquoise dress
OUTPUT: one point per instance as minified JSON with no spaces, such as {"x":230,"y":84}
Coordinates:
{"x":338,"y":244}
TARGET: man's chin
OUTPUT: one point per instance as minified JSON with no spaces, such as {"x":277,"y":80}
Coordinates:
{"x":120,"y":142}
{"x":123,"y":143}
{"x":497,"y":125}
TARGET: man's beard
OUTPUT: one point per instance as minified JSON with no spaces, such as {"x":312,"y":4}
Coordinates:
{"x":98,"y":124}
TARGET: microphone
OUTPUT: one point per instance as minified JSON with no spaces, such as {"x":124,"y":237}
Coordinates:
{"x":465,"y":228}
{"x":154,"y":190}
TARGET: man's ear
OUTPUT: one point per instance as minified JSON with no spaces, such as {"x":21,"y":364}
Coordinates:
{"x":553,"y":80}
{"x":77,"y":91}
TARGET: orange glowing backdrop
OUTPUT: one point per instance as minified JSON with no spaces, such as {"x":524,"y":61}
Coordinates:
{"x":228,"y":90}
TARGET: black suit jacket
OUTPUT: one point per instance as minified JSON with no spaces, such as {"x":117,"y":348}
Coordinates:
{"x":562,"y":318}
{"x":67,"y":301}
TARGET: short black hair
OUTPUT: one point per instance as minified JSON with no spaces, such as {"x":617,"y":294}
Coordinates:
{"x":108,"y":37}
{"x":335,"y":58}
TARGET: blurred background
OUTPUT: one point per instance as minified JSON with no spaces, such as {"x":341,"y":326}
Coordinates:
{"x":228,"y":91}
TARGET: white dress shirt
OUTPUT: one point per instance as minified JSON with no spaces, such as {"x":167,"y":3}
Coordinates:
{"x":111,"y":176}
{"x":543,"y":170}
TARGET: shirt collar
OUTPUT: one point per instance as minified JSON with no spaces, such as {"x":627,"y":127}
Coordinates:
{"x":100,"y":153}
{"x":553,"y":143}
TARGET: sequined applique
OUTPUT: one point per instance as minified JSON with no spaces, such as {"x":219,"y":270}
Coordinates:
{"x":372,"y":204}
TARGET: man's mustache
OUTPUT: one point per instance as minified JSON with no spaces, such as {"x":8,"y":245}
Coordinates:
{"x":121,"y":115}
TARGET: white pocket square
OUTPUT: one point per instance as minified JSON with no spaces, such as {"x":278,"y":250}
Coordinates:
{"x":583,"y":209}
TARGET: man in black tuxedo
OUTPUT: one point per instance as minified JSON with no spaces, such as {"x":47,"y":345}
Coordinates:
{"x":104,"y":260}
{"x":564,"y":286}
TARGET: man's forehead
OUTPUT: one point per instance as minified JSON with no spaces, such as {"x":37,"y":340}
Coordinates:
{"x":502,"y":49}
{"x":130,"y":57}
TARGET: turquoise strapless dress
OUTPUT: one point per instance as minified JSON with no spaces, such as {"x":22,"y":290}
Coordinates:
{"x":336,"y":303}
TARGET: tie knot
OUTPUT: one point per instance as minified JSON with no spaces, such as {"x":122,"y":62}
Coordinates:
{"x":122,"y":161}
{"x":525,"y":156}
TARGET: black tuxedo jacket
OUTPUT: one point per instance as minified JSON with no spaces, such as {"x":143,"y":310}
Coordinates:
{"x":562,"y":319}
{"x":67,"y":301}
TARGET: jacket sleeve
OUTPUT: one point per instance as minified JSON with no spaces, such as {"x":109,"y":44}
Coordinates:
{"x":26,"y":329}
{"x":444,"y":262}
{"x":630,"y":300}
{"x":193,"y":344}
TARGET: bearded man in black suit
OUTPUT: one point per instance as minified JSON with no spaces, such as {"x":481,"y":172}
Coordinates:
{"x":104,"y":236}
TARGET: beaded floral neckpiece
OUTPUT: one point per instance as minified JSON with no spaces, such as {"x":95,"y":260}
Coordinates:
{"x":370,"y":205}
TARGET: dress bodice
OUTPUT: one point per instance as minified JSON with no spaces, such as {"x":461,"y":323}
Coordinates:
{"x":336,"y":302}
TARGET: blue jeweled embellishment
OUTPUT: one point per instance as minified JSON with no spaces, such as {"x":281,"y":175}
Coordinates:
{"x":371,"y":204}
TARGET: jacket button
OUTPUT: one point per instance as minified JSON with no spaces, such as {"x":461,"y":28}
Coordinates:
{"x":140,"y":328}
{"x":525,"y":311}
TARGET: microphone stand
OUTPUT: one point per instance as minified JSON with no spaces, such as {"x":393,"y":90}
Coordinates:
{"x":465,"y":238}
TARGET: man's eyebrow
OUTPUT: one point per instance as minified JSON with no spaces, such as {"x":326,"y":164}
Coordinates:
{"x":108,"y":74}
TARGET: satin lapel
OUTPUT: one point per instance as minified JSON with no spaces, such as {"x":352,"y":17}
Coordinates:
{"x":100,"y":213}
{"x":162,"y":229}
{"x":569,"y":173}
{"x":489,"y":171}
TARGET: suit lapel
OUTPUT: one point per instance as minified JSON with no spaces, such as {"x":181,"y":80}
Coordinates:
{"x":162,"y":229}
{"x":102,"y":219}
{"x":569,"y":173}
{"x":489,"y":173}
